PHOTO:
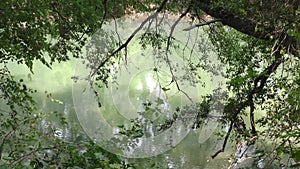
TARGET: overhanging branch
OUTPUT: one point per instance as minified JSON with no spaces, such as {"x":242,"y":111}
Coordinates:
{"x":124,"y":45}
{"x":167,"y":54}
{"x":202,"y":24}
{"x":249,"y":26}
{"x":259,"y":84}
{"x":242,"y":24}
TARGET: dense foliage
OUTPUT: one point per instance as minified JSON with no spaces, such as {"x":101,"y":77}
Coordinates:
{"x":257,"y":40}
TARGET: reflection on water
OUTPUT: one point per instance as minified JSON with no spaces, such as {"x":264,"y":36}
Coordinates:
{"x":144,"y":93}
{"x":188,"y":154}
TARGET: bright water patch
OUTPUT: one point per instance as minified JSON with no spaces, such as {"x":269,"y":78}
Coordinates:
{"x":148,"y":106}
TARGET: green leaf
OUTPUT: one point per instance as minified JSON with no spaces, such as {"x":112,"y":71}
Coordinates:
{"x":159,"y":101}
{"x":121,"y":126}
{"x":165,"y":89}
{"x":296,"y":155}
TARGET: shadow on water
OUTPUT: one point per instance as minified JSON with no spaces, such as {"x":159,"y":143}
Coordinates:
{"x":187,"y":154}
{"x":57,"y":81}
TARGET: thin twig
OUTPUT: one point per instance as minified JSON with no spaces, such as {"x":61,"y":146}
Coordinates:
{"x":256,"y":90}
{"x":225,"y":141}
{"x":167,"y":54}
{"x":21,"y":158}
{"x":194,"y":45}
{"x":119,"y":38}
{"x":124,"y":45}
{"x":104,"y":2}
{"x":201,"y":24}
{"x":252,"y":123}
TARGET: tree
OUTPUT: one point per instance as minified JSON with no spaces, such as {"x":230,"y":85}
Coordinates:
{"x":272,"y":31}
{"x":258,"y":41}
{"x":29,"y":32}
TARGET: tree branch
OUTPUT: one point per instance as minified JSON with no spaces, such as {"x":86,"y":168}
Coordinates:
{"x":225,"y":141}
{"x":202,"y":24}
{"x":248,"y":26}
{"x":167,"y":54}
{"x":124,"y":45}
{"x":252,"y":122}
{"x":244,"y":25}
{"x":258,"y":88}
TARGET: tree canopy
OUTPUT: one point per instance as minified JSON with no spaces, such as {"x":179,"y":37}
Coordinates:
{"x":257,"y":42}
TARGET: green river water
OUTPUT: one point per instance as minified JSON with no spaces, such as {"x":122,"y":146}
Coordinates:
{"x":137,"y":83}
